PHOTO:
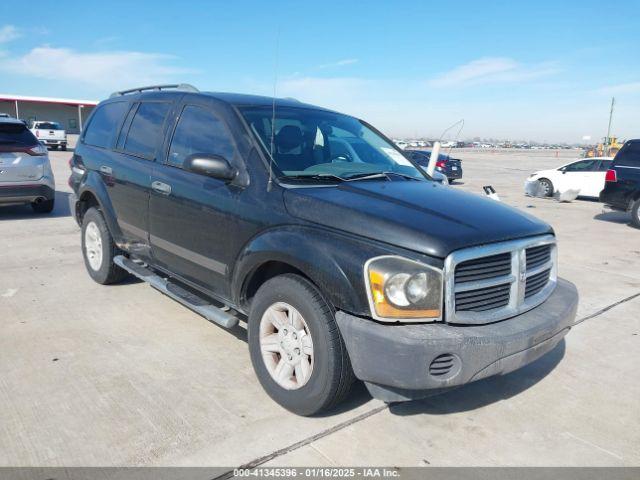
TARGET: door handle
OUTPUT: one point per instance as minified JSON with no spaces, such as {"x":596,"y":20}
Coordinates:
{"x":161,"y":188}
{"x":106,"y":170}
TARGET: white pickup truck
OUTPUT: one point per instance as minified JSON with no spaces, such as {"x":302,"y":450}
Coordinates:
{"x":50,"y":133}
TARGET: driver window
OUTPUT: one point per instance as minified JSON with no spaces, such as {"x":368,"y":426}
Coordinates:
{"x":199,"y":131}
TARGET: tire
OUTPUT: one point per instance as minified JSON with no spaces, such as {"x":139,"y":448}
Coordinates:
{"x":547,"y":186}
{"x":97,"y":242}
{"x":330,"y":375}
{"x":63,"y":148}
{"x":46,"y":206}
{"x":635,"y":214}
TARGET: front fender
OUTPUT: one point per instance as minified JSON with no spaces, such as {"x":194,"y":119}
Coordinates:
{"x":94,"y":185}
{"x":333,"y":261}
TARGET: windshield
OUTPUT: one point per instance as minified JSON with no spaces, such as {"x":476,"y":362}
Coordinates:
{"x":314,"y":144}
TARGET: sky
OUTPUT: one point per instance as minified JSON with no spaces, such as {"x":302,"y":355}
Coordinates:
{"x":537,"y":70}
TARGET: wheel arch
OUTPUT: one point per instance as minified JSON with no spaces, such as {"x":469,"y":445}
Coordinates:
{"x":333,"y":264}
{"x":92,"y":193}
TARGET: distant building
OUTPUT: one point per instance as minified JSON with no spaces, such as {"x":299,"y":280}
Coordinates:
{"x":70,"y":113}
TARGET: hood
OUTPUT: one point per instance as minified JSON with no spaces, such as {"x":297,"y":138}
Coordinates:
{"x":421,"y":216}
{"x":544,"y":173}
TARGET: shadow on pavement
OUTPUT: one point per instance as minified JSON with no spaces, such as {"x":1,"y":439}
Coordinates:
{"x":483,"y":392}
{"x":23,"y":212}
{"x":613,"y":217}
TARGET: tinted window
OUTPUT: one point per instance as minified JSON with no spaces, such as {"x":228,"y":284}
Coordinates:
{"x":16,"y":134}
{"x":146,"y":129}
{"x":629,"y":155}
{"x":199,"y":131}
{"x":103,"y":128}
{"x":581,"y":166}
{"x":605,"y":165}
{"x":48,"y":126}
{"x":349,"y":148}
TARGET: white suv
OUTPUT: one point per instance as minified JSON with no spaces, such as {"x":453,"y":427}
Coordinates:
{"x":25,"y":171}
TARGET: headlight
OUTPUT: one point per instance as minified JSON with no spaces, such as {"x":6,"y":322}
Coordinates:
{"x":401,"y":289}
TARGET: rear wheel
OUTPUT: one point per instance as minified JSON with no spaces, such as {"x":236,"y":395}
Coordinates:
{"x":99,"y":249}
{"x":635,"y":214}
{"x":63,"y":148}
{"x":547,"y":187}
{"x":296,"y":349}
{"x":46,"y":206}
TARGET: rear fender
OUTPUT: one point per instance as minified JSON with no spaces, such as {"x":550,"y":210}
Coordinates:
{"x":94,"y":185}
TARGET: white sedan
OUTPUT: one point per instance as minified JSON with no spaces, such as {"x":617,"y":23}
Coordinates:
{"x":585,"y":176}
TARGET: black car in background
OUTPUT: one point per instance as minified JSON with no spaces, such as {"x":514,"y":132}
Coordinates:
{"x":451,"y":167}
{"x":622,"y":182}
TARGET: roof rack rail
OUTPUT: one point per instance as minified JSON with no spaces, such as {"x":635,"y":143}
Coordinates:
{"x":184,"y":87}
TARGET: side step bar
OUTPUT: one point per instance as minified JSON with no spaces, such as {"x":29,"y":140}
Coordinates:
{"x":179,"y":294}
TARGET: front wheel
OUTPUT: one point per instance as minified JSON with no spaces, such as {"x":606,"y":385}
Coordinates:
{"x":635,"y":214}
{"x":295,"y":346}
{"x":546,"y":186}
{"x":99,"y":249}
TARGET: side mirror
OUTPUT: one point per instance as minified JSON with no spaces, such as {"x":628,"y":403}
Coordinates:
{"x":213,"y":166}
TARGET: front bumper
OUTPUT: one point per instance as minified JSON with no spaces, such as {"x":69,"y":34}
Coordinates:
{"x":16,"y":194}
{"x":397,"y":361}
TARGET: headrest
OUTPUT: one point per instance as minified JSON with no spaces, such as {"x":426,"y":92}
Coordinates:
{"x":289,"y":137}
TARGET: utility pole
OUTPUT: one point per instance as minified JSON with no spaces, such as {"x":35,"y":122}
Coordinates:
{"x":606,"y":140}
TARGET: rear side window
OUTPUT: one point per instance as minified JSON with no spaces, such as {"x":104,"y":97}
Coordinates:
{"x":629,"y":155}
{"x":605,"y":165}
{"x":16,"y":134}
{"x":199,"y":131}
{"x":146,"y":129}
{"x":581,"y":166}
{"x":103,"y":128}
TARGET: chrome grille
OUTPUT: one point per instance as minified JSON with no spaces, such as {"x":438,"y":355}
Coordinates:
{"x":493,"y":282}
{"x":535,"y":283}
{"x":483,"y":298}
{"x":483,"y":268}
{"x":537,"y":256}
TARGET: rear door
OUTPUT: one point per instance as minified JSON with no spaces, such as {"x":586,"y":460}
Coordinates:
{"x":192,"y":217}
{"x":138,"y":147}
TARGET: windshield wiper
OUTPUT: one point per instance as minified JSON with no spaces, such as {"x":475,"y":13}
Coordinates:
{"x":373,"y":176}
{"x":315,"y":176}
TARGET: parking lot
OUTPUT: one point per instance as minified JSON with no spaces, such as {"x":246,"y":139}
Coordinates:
{"x":121,"y":375}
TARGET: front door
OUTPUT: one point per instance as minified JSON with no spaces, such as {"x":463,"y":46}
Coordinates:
{"x":191,"y":216}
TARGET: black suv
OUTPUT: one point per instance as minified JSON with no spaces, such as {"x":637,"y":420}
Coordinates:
{"x":622,"y":181}
{"x":450,"y":167}
{"x":344,"y":259}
